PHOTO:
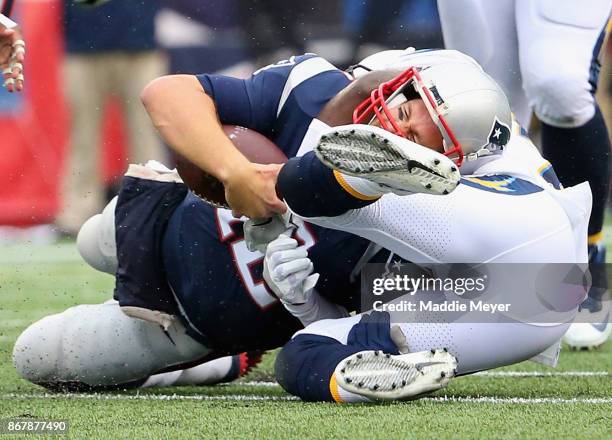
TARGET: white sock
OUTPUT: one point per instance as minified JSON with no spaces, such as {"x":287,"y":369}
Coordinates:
{"x":208,"y":373}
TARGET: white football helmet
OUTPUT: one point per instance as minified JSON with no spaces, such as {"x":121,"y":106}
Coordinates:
{"x":467,"y":105}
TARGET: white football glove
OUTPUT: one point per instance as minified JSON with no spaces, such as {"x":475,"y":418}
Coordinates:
{"x":259,"y":232}
{"x":288,"y":271}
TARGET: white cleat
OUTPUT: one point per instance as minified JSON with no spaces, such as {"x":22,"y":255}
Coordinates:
{"x":587,"y":336}
{"x":396,"y":164}
{"x":381,"y":376}
{"x":592,"y":326}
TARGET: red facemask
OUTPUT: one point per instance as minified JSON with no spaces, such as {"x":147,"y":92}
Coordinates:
{"x":376,"y":106}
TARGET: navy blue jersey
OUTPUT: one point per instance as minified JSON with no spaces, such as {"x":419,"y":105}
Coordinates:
{"x":212,"y":277}
{"x":219,"y":285}
{"x":180,"y":255}
{"x":280,"y":100}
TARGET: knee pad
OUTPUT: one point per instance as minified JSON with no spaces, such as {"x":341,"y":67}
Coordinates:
{"x":561,"y":98}
{"x":96,"y":240}
{"x":98,"y":346}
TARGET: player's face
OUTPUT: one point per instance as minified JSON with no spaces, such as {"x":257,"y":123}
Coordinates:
{"x":415,"y":122}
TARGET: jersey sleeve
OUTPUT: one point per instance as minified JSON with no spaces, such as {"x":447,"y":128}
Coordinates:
{"x":5,"y":7}
{"x":256,"y":102}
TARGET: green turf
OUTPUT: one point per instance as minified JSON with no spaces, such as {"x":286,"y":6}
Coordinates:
{"x":39,"y":280}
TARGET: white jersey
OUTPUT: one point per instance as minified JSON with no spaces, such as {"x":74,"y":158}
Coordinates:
{"x":509,"y":208}
{"x":506,"y":211}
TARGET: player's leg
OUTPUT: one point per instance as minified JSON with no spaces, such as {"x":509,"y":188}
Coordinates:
{"x":311,"y":189}
{"x":313,"y":365}
{"x":486,"y":30}
{"x":135,"y":71}
{"x":357,"y":359}
{"x":81,"y":190}
{"x":97,"y":237}
{"x":97,"y":346}
{"x":306,"y":364}
{"x":560,"y":42}
{"x":354,"y":165}
{"x":221,"y":370}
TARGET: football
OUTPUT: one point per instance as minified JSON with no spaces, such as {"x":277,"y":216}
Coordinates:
{"x":253,"y":145}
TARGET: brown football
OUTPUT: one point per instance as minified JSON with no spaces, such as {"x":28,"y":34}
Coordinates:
{"x":255,"y":147}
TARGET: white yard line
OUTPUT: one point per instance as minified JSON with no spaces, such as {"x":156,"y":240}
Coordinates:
{"x":254,"y":383}
{"x":542,"y":373}
{"x":495,"y":374}
{"x":522,"y":400}
{"x":244,"y":397}
{"x":96,"y":396}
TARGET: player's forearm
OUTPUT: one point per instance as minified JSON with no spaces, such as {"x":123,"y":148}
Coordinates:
{"x":316,"y":309}
{"x":339,"y":110}
{"x":185,"y":116}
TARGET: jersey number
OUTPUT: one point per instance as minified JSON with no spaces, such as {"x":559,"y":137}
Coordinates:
{"x":249,"y":265}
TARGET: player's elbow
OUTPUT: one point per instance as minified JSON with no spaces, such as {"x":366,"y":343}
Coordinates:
{"x":155,"y":90}
{"x":160,"y":93}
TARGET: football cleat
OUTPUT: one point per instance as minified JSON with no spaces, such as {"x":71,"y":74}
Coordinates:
{"x":249,"y":360}
{"x":587,"y":336}
{"x":592,"y":325}
{"x":381,"y":376}
{"x":396,"y":164}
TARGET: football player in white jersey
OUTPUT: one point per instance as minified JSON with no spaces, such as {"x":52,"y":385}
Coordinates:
{"x":508,"y":208}
{"x":545,"y":54}
{"x":12,"y":49}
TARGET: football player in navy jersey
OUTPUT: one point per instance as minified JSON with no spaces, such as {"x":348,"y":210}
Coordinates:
{"x":183,"y":267}
{"x":188,"y":290}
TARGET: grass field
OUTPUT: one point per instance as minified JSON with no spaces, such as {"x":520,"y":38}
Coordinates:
{"x":521,"y":401}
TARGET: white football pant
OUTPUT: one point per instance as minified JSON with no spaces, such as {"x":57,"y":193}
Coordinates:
{"x":540,"y":51}
{"x":99,"y":345}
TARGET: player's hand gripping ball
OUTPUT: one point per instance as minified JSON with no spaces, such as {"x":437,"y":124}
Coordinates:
{"x":253,"y":145}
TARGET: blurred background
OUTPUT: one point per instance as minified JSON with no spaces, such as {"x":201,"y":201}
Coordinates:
{"x":68,"y":138}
